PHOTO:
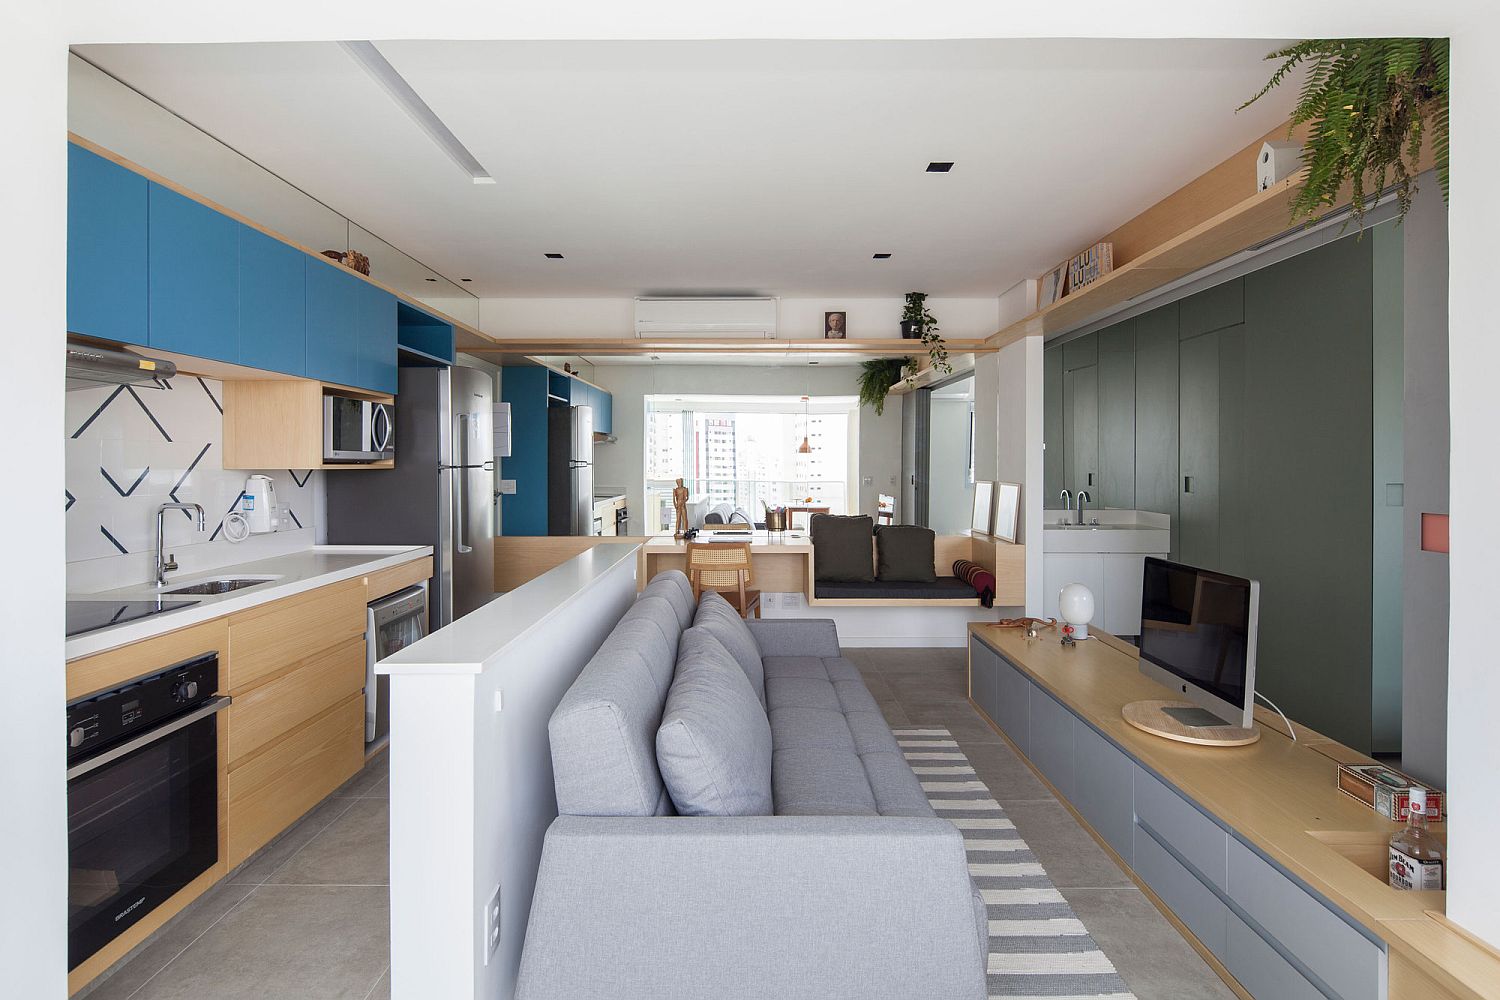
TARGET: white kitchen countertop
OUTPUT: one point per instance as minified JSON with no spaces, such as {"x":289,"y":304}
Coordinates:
{"x":294,"y":572}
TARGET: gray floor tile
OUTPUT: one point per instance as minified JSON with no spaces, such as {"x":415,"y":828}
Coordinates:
{"x":382,"y":989}
{"x":1006,"y":775}
{"x":370,"y":780}
{"x":961,"y":720}
{"x":1070,"y":856}
{"x":166,"y":944}
{"x":286,"y":943}
{"x":271,"y":857}
{"x":353,"y":850}
{"x":1153,"y":959}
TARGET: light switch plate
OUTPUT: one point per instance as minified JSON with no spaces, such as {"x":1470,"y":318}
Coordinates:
{"x":492,"y":926}
{"x":508,"y":487}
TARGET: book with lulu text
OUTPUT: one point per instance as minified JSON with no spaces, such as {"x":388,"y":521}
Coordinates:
{"x":1090,"y":265}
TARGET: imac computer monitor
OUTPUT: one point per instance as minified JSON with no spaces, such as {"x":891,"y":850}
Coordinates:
{"x":1198,"y":638}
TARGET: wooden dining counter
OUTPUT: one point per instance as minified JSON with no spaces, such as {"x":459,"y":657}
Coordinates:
{"x":780,"y":559}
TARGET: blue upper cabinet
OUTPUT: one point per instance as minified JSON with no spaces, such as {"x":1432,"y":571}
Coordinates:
{"x":106,"y":248}
{"x":333,"y":304}
{"x":273,"y":304}
{"x":193,"y":277}
{"x":604,"y":411}
{"x":376,"y":324}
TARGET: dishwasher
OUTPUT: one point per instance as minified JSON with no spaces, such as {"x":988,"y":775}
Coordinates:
{"x":391,"y":623}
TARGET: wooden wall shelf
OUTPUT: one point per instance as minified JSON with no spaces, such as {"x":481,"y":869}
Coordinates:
{"x":885,"y":347}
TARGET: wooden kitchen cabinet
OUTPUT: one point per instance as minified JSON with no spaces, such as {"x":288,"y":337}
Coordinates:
{"x":271,"y":639}
{"x":312,"y":685}
{"x":278,"y":424}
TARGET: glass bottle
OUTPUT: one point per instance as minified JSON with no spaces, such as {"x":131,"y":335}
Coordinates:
{"x":1416,"y":857}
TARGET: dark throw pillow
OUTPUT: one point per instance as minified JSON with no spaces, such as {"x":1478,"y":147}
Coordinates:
{"x":903,"y":552}
{"x":841,"y":547}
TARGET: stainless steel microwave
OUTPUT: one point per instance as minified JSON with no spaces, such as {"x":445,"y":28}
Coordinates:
{"x":357,"y":430}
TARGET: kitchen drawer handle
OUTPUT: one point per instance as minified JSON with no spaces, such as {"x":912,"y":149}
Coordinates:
{"x":1187,"y":484}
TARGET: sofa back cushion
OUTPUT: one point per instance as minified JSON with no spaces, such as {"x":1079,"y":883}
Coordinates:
{"x":903,"y":553}
{"x":841,"y":547}
{"x":714,"y":742}
{"x":603,"y":732}
{"x":673,"y":585}
{"x":725,"y":624}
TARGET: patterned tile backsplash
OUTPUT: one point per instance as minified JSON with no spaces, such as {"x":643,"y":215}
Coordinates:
{"x":130,"y":449}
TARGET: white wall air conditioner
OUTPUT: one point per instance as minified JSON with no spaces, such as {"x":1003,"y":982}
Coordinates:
{"x":705,"y":318}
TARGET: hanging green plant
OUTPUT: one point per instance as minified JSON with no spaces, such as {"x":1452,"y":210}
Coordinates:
{"x":1370,"y":103}
{"x":918,"y":318}
{"x":876,"y":376}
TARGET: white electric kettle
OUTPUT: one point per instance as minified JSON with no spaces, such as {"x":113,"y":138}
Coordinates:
{"x":258,"y":504}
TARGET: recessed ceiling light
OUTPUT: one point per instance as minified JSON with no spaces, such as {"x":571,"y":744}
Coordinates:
{"x":465,"y":279}
{"x":431,"y":279}
{"x":882,"y":256}
{"x":382,"y":72}
{"x":939,"y":166}
{"x":553,"y":256}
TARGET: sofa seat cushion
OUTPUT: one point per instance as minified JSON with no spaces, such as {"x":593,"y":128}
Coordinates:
{"x":832,"y":752}
{"x":941,"y":588}
{"x":714,"y":743}
{"x":725,"y":624}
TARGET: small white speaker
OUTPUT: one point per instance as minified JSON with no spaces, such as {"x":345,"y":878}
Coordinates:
{"x":1277,"y":161}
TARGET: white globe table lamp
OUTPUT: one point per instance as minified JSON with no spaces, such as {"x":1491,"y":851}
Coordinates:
{"x":1075,"y":605}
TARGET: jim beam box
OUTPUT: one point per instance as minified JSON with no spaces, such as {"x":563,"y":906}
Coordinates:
{"x":1386,"y":791}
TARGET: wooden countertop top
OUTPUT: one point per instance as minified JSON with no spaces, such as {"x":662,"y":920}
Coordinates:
{"x":791,"y":542}
{"x":1279,"y":796}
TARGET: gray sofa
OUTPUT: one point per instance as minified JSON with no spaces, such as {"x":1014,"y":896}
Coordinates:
{"x":853,"y":887}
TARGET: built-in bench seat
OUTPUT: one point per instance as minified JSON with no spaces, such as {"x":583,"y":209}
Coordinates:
{"x":947,"y":589}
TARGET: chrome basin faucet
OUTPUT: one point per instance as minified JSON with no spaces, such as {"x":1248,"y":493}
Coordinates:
{"x":168,"y":564}
{"x":1083,"y":495}
{"x":1067,"y":499}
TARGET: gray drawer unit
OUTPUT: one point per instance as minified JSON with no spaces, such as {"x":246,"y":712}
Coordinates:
{"x":983,"y":664}
{"x":1195,"y":904}
{"x":1012,"y":704}
{"x":1052,"y":740}
{"x":1263,"y":972}
{"x":1179,"y":825}
{"x":1345,"y":960}
{"x":1103,"y":780}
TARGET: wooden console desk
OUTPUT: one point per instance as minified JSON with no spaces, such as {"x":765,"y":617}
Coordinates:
{"x":1275,"y":876}
{"x":781,"y":559}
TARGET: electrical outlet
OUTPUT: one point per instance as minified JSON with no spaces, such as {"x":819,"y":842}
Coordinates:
{"x":492,"y":926}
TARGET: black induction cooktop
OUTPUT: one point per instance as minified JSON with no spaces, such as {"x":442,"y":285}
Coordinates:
{"x":89,"y":616}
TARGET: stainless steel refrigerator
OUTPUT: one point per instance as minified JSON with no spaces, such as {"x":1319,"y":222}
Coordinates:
{"x":570,"y":470}
{"x":441,"y":492}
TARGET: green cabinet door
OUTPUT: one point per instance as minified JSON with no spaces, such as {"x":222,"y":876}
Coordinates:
{"x":1081,"y":430}
{"x":1156,"y":414}
{"x":1116,"y":368}
{"x":1054,"y":477}
{"x":1198,"y":502}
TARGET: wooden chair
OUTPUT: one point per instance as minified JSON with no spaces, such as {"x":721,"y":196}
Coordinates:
{"x":725,"y":567}
{"x":885,"y":510}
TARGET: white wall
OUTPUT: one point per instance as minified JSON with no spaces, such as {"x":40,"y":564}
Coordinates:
{"x":799,"y":318}
{"x":33,"y":822}
{"x":1019,"y":448}
{"x":623,"y":463}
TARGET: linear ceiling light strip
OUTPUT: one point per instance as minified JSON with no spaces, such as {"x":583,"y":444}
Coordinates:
{"x":368,"y":56}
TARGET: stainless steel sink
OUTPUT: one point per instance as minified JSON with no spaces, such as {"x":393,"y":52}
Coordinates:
{"x":224,"y":586}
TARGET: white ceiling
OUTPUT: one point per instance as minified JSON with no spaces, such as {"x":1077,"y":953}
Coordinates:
{"x":771,"y":167}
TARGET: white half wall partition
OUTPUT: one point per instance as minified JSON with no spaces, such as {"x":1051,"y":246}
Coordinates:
{"x":471,"y":770}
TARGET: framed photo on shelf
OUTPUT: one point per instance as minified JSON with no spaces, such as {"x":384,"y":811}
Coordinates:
{"x":1007,"y":509}
{"x":835,"y":325}
{"x":984,"y":504}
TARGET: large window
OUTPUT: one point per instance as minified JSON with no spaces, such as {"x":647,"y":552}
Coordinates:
{"x":743,"y":452}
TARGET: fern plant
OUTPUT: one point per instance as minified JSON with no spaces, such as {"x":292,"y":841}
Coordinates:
{"x":1370,"y":103}
{"x":876,"y":376}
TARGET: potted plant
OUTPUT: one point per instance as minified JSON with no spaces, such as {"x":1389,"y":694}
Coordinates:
{"x":1369,"y":102}
{"x":876,"y":376}
{"x":915,"y":318}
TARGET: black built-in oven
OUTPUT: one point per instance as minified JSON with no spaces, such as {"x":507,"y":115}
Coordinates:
{"x":143,"y":798}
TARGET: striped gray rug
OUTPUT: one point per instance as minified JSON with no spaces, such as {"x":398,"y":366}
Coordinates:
{"x":1038,"y":947}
